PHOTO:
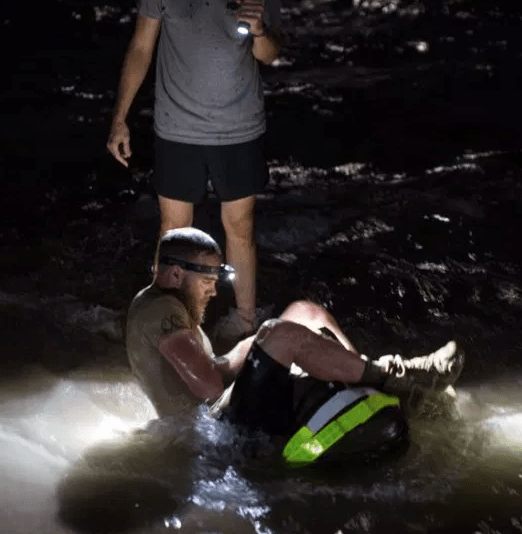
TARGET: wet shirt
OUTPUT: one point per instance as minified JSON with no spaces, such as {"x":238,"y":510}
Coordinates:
{"x":208,"y":86}
{"x":153,"y":315}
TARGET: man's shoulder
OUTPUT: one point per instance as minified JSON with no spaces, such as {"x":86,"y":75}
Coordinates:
{"x":153,"y":295}
{"x":154,"y":304}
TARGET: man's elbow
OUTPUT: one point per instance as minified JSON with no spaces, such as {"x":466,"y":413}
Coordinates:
{"x":270,"y":54}
{"x":268,"y":60}
{"x":209,"y":390}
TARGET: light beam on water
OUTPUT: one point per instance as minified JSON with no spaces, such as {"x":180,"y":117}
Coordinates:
{"x":78,"y":428}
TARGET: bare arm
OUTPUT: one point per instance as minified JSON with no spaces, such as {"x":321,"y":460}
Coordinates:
{"x":135,"y":66}
{"x":186,"y":355}
{"x":267,"y":47}
{"x":230,"y":364}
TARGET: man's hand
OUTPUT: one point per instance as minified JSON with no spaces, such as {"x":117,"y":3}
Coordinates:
{"x":135,"y":67}
{"x":252,"y":11}
{"x":267,"y":44}
{"x":119,"y":142}
{"x":230,"y":364}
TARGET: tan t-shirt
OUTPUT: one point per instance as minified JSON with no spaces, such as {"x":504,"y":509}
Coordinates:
{"x":154,"y":314}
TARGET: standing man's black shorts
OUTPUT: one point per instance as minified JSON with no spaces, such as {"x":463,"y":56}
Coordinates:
{"x":182,"y":171}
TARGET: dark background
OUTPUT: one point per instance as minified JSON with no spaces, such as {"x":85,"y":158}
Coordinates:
{"x":394,"y":200}
{"x":434,"y":131}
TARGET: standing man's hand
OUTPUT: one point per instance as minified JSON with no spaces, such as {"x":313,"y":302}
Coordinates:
{"x":252,"y":11}
{"x":119,"y":142}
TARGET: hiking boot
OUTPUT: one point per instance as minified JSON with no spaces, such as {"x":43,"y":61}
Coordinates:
{"x":434,"y":372}
{"x":447,"y":361}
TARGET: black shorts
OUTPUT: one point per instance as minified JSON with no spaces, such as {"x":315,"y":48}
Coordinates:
{"x":182,"y":171}
{"x":267,"y":397}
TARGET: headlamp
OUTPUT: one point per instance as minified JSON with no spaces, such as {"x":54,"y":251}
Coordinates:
{"x":225,"y":272}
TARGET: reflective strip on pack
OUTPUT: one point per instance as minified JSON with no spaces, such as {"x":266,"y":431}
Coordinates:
{"x":305,"y":446}
{"x":333,"y":406}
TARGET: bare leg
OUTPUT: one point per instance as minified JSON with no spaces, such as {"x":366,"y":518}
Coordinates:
{"x":173,"y":214}
{"x":289,"y":342}
{"x":302,"y":312}
{"x":316,"y":317}
{"x":237,"y":217}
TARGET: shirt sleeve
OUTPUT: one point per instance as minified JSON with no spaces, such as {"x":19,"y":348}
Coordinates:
{"x":151,"y":8}
{"x":273,"y":14}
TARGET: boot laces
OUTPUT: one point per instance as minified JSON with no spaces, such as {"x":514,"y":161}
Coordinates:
{"x":440,"y":361}
{"x":393,"y":364}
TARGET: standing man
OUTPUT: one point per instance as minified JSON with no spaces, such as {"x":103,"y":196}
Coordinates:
{"x":209,"y":118}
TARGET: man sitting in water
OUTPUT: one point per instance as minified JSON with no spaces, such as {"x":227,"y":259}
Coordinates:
{"x":175,"y":364}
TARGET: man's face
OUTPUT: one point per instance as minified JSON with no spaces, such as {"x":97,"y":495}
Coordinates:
{"x":198,"y":288}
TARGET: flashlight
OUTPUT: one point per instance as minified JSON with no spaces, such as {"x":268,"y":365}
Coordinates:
{"x":243,"y":27}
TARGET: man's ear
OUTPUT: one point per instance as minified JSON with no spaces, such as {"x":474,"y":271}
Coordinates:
{"x":176,"y":276}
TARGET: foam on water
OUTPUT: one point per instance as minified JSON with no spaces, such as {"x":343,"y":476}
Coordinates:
{"x":48,"y":420}
{"x":46,"y":424}
{"x":65,"y":416}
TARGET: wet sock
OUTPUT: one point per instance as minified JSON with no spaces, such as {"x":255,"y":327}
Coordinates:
{"x":373,"y":375}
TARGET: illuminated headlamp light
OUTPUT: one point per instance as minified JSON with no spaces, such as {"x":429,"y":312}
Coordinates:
{"x":225,"y":272}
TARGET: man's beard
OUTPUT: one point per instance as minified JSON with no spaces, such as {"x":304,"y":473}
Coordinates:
{"x":196,"y":310}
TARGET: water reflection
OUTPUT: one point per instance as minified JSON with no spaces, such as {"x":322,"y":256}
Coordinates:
{"x":172,"y":475}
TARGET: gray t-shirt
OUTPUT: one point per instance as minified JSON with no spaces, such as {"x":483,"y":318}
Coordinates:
{"x":208,"y":87}
{"x":153,"y":315}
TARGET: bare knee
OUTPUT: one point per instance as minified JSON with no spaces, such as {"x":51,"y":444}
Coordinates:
{"x":282,"y":339}
{"x":171,"y":223}
{"x":239,"y":229}
{"x":174,"y":214}
{"x":306,"y":311}
{"x":238,"y":221}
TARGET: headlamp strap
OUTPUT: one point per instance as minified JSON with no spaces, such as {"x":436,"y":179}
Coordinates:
{"x":197,"y":267}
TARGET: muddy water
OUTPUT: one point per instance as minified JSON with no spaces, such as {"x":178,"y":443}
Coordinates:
{"x":82,"y":451}
{"x":403,"y":278}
